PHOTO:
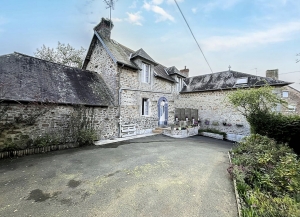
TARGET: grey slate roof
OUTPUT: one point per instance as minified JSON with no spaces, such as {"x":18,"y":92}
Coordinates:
{"x":26,"y":78}
{"x":160,"y":71}
{"x":173,"y":70}
{"x":226,"y":80}
{"x":141,"y":53}
{"x":124,"y":55}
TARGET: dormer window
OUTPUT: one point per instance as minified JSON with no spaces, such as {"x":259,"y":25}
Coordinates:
{"x":146,"y":73}
{"x":179,"y":85}
{"x":241,"y":81}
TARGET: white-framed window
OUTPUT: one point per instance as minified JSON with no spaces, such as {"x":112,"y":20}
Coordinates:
{"x":146,"y":73}
{"x":145,"y":106}
{"x":179,"y":85}
{"x":291,"y":108}
{"x":285,"y":94}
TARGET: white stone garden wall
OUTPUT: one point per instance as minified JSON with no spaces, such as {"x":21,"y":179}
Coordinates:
{"x":213,"y":107}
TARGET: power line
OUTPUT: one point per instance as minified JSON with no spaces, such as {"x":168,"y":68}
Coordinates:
{"x":193,"y":36}
{"x":288,"y":72}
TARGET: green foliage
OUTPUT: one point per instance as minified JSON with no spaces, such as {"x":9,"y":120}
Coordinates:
{"x":268,"y":177}
{"x":10,"y":146}
{"x":256,"y":104}
{"x":46,"y":140}
{"x":253,"y":100}
{"x":63,"y":54}
{"x":86,"y":137}
{"x":212,"y":130}
{"x":282,"y":128}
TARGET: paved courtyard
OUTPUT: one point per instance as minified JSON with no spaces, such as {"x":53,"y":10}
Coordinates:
{"x":151,"y":176}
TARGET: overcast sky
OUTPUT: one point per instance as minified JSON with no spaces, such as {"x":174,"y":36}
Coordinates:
{"x":250,"y":35}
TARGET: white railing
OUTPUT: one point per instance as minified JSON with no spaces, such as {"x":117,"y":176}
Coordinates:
{"x":128,"y":130}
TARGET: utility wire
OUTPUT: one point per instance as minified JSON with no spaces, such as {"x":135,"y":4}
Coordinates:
{"x":288,"y":72}
{"x":193,"y":36}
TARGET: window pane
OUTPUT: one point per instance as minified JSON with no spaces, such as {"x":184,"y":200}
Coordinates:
{"x":285,"y":94}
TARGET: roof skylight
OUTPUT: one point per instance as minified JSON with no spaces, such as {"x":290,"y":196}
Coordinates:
{"x":241,"y":81}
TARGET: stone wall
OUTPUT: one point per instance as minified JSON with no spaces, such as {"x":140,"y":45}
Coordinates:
{"x":213,"y":110}
{"x":103,"y":64}
{"x":55,"y":118}
{"x":131,"y":108}
{"x":293,"y":99}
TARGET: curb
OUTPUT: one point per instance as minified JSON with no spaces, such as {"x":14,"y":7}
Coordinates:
{"x":37,"y":150}
{"x":237,"y":197}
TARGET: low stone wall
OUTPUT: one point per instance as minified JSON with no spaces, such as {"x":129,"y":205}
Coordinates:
{"x":212,"y":135}
{"x":181,"y":133}
{"x":55,"y":120}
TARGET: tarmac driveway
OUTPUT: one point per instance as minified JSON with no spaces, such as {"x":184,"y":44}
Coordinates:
{"x":150,"y":176}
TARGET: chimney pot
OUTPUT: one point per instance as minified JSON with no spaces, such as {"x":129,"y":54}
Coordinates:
{"x":272,"y":74}
{"x":104,"y":28}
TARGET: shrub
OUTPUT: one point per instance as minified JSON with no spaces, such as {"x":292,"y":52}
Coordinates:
{"x":86,"y":137}
{"x":268,"y":177}
{"x":282,"y":128}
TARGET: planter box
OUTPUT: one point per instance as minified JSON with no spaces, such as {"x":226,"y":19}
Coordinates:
{"x":181,"y":133}
{"x":212,"y":135}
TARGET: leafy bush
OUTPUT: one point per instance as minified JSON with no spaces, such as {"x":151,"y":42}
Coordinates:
{"x":268,"y":177}
{"x":86,"y":137}
{"x":282,"y":128}
{"x":212,"y":130}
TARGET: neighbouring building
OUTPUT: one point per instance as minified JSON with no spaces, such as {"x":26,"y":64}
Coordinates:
{"x":287,"y":93}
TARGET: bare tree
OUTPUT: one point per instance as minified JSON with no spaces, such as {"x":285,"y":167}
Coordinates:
{"x":64,"y":54}
{"x":298,"y":60}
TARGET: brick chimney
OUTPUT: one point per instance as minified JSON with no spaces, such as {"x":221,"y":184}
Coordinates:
{"x":104,"y":28}
{"x":185,"y":71}
{"x":272,"y":74}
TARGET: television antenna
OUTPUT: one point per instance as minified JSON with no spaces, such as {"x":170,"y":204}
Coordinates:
{"x":255,"y":70}
{"x":111,"y":5}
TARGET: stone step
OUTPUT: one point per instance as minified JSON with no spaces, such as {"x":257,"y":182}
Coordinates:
{"x":157,"y":131}
{"x":162,"y":128}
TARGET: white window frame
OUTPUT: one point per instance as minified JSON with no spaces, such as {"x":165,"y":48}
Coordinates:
{"x":291,"y":108}
{"x":285,"y":94}
{"x":179,"y":85}
{"x":145,"y":73}
{"x":145,"y":107}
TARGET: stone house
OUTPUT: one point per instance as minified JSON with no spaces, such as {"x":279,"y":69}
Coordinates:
{"x":144,"y":89}
{"x":127,"y":91}
{"x":287,"y":93}
{"x":207,"y":93}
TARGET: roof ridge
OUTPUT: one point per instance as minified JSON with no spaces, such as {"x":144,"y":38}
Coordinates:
{"x":26,"y":55}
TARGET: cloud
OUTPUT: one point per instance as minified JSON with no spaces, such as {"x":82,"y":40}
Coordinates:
{"x":219,"y":4}
{"x":116,"y":20}
{"x":162,"y":14}
{"x":134,"y":3}
{"x":194,"y":10}
{"x":279,"y":33}
{"x":135,"y":18}
{"x":157,"y":2}
{"x":172,"y":1}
